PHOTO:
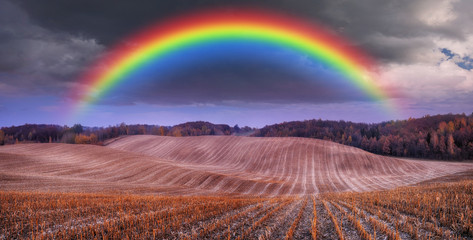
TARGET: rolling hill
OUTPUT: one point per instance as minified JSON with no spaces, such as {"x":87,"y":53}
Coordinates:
{"x":209,"y":164}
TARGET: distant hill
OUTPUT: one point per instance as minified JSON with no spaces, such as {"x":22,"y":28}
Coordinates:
{"x":200,"y":128}
{"x":447,"y":136}
{"x":48,"y":133}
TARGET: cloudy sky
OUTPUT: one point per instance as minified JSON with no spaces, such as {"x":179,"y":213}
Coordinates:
{"x":424,"y":50}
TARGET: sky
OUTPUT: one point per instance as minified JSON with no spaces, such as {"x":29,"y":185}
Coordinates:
{"x":424,"y":50}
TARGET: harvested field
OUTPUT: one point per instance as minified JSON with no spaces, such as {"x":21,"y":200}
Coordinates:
{"x":437,"y":211}
{"x":219,"y":165}
{"x":441,"y":211}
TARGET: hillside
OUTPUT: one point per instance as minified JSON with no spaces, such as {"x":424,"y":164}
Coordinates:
{"x":288,"y":165}
{"x":79,"y":168}
{"x":448,"y":136}
{"x":209,"y":164}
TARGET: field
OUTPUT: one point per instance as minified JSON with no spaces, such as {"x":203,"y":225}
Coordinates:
{"x":210,"y":165}
{"x":424,"y":212}
{"x":228,"y":188}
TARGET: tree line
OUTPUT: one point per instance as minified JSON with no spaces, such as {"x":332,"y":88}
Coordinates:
{"x":447,"y":136}
{"x":78,"y":134}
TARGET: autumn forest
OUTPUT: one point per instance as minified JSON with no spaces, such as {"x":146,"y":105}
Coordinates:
{"x":447,"y":137}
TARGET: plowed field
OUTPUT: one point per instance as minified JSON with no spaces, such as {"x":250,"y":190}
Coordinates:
{"x":210,"y":165}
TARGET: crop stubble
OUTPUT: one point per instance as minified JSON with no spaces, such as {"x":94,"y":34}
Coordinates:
{"x":262,"y":188}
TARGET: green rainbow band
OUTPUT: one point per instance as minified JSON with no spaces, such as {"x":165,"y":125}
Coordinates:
{"x":214,"y":33}
{"x":155,"y":44}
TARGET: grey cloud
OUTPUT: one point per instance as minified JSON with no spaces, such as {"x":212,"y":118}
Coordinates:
{"x":402,"y":50}
{"x":395,"y":30}
{"x":35,"y":59}
{"x":109,"y":21}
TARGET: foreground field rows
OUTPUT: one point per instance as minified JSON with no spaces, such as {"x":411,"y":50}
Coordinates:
{"x":424,"y":212}
{"x":210,"y":165}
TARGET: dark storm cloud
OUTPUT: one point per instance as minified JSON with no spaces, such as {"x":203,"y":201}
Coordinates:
{"x":34,"y":59}
{"x":108,"y":21}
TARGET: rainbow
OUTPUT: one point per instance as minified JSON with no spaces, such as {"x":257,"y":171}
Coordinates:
{"x":156,"y":42}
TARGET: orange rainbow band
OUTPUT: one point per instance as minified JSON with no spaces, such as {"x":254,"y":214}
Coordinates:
{"x":207,"y":27}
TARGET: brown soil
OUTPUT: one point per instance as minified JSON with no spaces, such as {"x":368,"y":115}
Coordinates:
{"x":210,"y":165}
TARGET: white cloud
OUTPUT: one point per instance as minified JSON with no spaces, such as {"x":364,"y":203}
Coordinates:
{"x":436,"y":13}
{"x":424,"y":82}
